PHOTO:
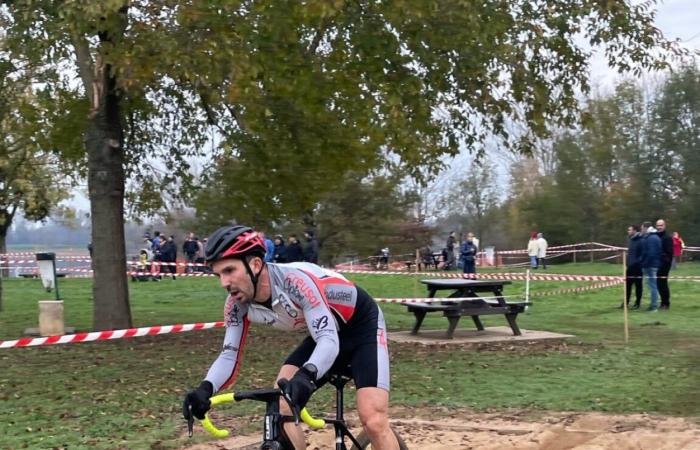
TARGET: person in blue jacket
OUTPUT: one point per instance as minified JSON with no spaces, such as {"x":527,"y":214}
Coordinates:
{"x":468,"y":255}
{"x":651,"y":261}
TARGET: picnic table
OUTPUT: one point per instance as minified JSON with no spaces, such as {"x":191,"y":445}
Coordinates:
{"x":470,"y":303}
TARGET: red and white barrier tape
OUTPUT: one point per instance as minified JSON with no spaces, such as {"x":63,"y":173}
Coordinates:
{"x":108,"y":335}
{"x":577,"y":289}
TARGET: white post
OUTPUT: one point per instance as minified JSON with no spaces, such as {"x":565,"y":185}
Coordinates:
{"x":527,"y":288}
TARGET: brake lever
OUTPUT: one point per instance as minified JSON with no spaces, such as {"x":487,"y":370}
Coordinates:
{"x":295,"y":410}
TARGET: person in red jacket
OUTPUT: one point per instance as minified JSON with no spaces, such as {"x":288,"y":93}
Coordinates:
{"x":678,"y":246}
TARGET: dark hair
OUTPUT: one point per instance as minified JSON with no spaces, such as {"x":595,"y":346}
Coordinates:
{"x":635,"y":227}
{"x":646,"y":224}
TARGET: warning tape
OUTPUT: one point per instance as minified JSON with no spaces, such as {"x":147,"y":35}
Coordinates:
{"x":109,"y":335}
{"x":180,"y":328}
{"x":577,"y":289}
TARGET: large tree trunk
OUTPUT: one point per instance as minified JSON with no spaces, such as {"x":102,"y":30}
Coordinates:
{"x":104,"y":142}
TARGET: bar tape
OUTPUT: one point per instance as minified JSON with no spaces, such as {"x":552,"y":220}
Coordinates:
{"x":108,"y":335}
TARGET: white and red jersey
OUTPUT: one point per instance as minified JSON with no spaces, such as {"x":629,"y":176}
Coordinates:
{"x":303,"y":295}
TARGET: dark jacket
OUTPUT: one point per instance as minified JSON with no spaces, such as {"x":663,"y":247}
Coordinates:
{"x":467,"y":251}
{"x":635,"y":251}
{"x":190,"y":247}
{"x":294,"y":252}
{"x":168,"y":252}
{"x":280,"y":254}
{"x":311,"y":251}
{"x":666,"y":249}
{"x":651,"y":257}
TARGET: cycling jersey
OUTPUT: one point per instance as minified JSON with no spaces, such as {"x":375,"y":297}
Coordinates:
{"x":303,"y":295}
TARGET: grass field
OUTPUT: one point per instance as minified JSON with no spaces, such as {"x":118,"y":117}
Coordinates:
{"x":127,"y":393}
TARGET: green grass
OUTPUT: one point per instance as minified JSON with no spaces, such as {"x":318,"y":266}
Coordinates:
{"x":127,"y":393}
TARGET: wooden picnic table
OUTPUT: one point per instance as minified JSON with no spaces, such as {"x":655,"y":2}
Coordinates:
{"x":470,"y":303}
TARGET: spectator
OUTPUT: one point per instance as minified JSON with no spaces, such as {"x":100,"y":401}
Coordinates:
{"x":541,"y":251}
{"x":89,"y":247}
{"x":678,"y":246}
{"x":651,"y":260}
{"x":311,"y":248}
{"x":532,"y":249}
{"x":156,"y":241}
{"x":294,"y":250}
{"x":468,"y":255}
{"x":474,"y":239}
{"x":450,"y":246}
{"x":665,"y":266}
{"x":444,"y":256}
{"x":190,"y":249}
{"x":168,"y":251}
{"x":280,"y":251}
{"x":426,"y":257}
{"x":199,"y":259}
{"x":384,"y":255}
{"x":633,"y":275}
{"x":269,"y":246}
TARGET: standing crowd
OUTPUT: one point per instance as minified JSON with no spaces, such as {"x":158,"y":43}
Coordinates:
{"x":158,"y":254}
{"x":651,"y":254}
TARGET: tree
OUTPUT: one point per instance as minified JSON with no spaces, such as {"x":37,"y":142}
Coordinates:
{"x":318,"y":88}
{"x":29,"y":181}
{"x":474,"y":197}
{"x":383,"y":218}
{"x":675,"y":125}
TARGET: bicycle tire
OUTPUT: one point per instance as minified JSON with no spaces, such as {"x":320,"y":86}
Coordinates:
{"x":363,"y":440}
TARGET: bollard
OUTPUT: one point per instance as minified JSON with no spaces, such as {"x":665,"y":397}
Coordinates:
{"x":51,"y":318}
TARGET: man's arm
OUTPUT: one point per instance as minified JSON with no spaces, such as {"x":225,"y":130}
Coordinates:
{"x":319,"y":320}
{"x":224,"y":370}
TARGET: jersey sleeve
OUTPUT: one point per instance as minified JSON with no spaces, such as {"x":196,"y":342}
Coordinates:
{"x":224,"y":370}
{"x":319,"y":320}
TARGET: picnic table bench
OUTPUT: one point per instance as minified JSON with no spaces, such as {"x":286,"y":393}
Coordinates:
{"x":474,"y":306}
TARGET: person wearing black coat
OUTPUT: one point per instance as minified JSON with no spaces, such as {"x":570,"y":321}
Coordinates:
{"x":311,"y":248}
{"x":294,"y":250}
{"x":280,"y":252}
{"x":665,"y":266}
{"x":634,"y":265}
{"x":168,"y":252}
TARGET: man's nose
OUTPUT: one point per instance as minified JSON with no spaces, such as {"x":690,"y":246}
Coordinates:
{"x":224,"y":280}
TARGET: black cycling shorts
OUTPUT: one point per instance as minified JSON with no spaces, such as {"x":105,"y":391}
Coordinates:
{"x":363,"y":346}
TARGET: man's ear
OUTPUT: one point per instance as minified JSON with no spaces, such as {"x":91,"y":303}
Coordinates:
{"x":255,"y":263}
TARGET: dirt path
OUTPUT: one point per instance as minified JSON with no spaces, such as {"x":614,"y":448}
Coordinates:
{"x":443,"y":429}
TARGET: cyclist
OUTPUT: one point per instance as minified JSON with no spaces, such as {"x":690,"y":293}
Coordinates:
{"x":345,"y":325}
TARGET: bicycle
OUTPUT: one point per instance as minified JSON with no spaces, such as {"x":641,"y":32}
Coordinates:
{"x":273,"y":433}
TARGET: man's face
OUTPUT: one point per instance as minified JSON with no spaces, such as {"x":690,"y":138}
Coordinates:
{"x":630,"y":231}
{"x":234,"y":277}
{"x":660,"y":225}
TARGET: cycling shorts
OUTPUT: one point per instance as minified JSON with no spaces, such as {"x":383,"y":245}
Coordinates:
{"x":363,"y":346}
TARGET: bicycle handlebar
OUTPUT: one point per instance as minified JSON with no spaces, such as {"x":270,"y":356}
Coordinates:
{"x":230,"y":397}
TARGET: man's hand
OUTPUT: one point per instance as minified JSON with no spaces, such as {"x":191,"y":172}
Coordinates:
{"x":299,"y":389}
{"x":197,"y":401}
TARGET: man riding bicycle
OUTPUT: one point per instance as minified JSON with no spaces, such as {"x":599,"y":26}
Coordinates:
{"x":345,"y":326}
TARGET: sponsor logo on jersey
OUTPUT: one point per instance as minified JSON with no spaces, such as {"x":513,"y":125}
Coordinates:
{"x":300,"y":290}
{"x":320,"y":324}
{"x":336,"y":294}
{"x":230,"y":348}
{"x":288,"y":307}
{"x":231,"y":313}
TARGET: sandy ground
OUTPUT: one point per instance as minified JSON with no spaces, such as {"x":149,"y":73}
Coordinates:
{"x":457,"y":429}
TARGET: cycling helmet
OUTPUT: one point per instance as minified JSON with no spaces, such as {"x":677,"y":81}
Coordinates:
{"x":237,"y":241}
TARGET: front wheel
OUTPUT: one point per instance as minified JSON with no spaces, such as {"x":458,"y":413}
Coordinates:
{"x":363,"y":440}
